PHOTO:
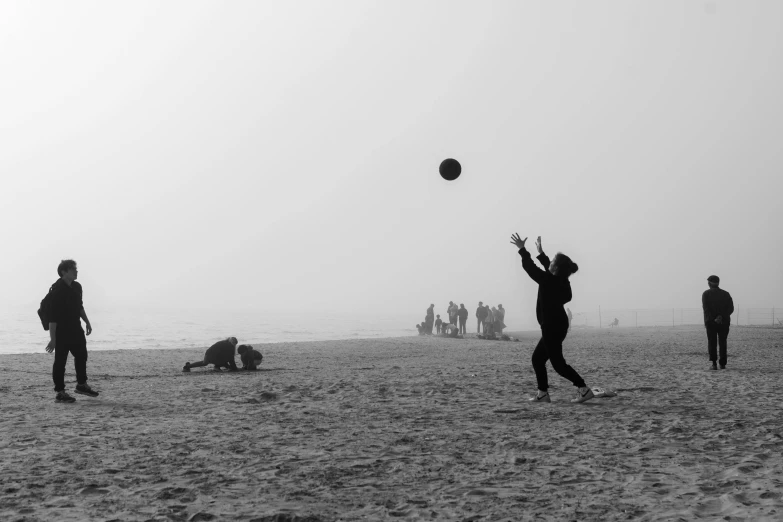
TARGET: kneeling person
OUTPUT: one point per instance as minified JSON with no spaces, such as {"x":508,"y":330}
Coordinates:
{"x":250,"y":357}
{"x":221,"y":354}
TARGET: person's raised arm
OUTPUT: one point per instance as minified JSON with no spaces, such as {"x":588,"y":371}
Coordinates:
{"x":535,"y":273}
{"x":542,"y":257}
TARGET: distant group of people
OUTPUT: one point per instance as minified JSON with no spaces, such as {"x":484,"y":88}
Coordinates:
{"x":490,"y":318}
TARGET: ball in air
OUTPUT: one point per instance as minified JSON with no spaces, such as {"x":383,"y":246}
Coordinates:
{"x":450,"y":169}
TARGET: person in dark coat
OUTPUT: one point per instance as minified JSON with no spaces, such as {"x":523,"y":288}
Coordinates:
{"x":429,"y":319}
{"x":462,"y":316}
{"x":554,"y":291}
{"x":249,"y":356}
{"x":66,"y":311}
{"x":221,"y":354}
{"x":481,"y":315}
{"x":718,"y":307}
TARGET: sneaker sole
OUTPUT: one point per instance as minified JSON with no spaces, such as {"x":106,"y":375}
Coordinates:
{"x":93,"y":394}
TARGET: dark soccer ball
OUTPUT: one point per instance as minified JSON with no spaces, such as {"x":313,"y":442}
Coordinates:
{"x":450,"y":169}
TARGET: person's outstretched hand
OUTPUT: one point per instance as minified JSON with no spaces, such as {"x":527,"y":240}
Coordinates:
{"x":519,"y":242}
{"x":538,"y":245}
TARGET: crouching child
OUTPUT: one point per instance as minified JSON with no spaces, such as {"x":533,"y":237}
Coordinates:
{"x":251,"y":358}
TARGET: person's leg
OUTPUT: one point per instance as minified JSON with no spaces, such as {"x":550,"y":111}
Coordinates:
{"x":539,"y":359}
{"x":712,"y":341}
{"x":554,"y":345}
{"x":197,"y":364}
{"x":58,"y":368}
{"x":723,"y":334}
{"x":79,"y":352}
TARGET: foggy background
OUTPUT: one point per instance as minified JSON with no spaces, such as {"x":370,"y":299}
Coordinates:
{"x":284,"y":155}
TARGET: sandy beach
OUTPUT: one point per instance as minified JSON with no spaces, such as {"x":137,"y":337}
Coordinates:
{"x":404,"y":428}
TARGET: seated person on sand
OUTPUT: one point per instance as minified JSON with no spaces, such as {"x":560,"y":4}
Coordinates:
{"x":250,"y":357}
{"x":420,"y":328}
{"x":614,"y":323}
{"x":221,"y":354}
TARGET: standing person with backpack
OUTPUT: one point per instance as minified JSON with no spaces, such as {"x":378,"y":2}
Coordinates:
{"x":64,"y":310}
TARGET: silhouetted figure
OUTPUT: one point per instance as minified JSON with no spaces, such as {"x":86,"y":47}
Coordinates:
{"x":718,"y":307}
{"x":65,"y":311}
{"x":429,"y":319}
{"x":500,"y":320}
{"x":421,"y":328}
{"x":249,"y":356}
{"x":452,"y":311}
{"x":438,"y":323}
{"x":481,"y":315}
{"x":489,"y":322}
{"x":462,"y":316}
{"x":451,"y":330}
{"x":554,"y":291}
{"x":221,"y":354}
{"x":615,"y":322}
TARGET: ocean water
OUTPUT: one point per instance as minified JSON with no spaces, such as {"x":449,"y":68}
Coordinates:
{"x":135,"y":328}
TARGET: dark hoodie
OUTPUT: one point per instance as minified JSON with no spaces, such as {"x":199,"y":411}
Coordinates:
{"x":553,"y":292}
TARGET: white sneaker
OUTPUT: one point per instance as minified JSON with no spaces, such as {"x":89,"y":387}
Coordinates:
{"x":583,"y":396}
{"x":543,"y":398}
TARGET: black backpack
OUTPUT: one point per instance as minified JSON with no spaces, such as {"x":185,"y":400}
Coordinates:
{"x":43,"y":311}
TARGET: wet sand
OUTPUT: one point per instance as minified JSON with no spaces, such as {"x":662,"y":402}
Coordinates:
{"x":406,"y":428}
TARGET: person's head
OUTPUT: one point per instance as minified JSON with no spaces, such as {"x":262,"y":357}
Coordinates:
{"x":713,"y":281}
{"x":563,"y":266}
{"x":481,"y":303}
{"x":462,"y":305}
{"x":500,"y":306}
{"x":451,"y":302}
{"x":232,"y":340}
{"x":242,"y":348}
{"x":438,"y":316}
{"x":67,"y":269}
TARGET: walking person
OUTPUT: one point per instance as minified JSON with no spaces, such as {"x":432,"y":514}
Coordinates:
{"x":554,"y":291}
{"x":481,"y":315}
{"x":462,"y":316}
{"x":66,"y":311}
{"x":718,"y":307}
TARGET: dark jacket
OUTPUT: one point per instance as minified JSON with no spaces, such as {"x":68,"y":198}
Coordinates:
{"x":481,"y":312}
{"x":221,"y":353}
{"x":715,"y":302}
{"x":553,"y":292}
{"x":462,"y":313}
{"x":65,"y":307}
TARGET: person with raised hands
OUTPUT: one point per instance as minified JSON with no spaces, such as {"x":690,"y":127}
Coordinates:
{"x":554,"y":291}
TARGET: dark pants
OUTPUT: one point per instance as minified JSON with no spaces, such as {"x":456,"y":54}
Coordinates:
{"x":79,"y":351}
{"x":478,"y":327}
{"x":716,"y":336}
{"x":462,"y":328}
{"x":550,"y":348}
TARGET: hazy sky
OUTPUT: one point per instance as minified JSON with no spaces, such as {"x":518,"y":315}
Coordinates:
{"x":284,"y":154}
